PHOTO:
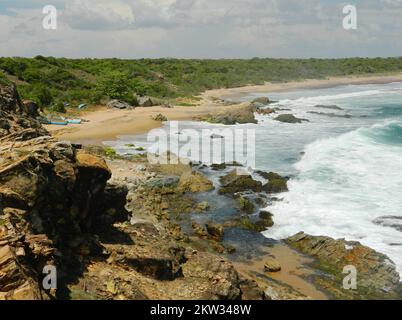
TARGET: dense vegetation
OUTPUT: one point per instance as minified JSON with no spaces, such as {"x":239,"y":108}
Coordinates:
{"x":51,"y":81}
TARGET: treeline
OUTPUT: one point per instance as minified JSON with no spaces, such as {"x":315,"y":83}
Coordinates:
{"x":52,"y":81}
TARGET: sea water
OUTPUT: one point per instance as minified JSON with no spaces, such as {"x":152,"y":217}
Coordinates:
{"x":345,"y":164}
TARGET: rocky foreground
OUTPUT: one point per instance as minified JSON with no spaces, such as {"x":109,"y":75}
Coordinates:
{"x":122,"y":229}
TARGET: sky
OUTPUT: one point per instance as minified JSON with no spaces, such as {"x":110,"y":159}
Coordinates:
{"x":201,"y":29}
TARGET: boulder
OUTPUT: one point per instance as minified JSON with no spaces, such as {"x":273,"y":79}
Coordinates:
{"x":160,"y":117}
{"x":117,"y":104}
{"x":272,"y":265}
{"x":145,"y":102}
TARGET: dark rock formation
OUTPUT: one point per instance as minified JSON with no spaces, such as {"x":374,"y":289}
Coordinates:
{"x":276,"y":183}
{"x":331,"y":107}
{"x":262,"y":100}
{"x":289,"y":118}
{"x":233,"y":182}
{"x":331,"y":115}
{"x":48,"y":190}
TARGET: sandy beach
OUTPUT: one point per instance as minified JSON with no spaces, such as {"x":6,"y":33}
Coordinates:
{"x":235,"y":93}
{"x":105,"y":124}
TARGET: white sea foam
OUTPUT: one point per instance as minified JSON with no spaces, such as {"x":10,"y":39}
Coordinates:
{"x":344,"y":184}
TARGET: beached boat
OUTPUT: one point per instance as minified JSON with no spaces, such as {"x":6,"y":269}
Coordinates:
{"x":72,"y":121}
{"x":58,"y":122}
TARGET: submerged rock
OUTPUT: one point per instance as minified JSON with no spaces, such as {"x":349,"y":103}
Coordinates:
{"x":265,"y":111}
{"x":332,"y":107}
{"x":215,"y":231}
{"x":394,"y":222}
{"x":331,"y":115}
{"x":245,"y":204}
{"x":289,"y":118}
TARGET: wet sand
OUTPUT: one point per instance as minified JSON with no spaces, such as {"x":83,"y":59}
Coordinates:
{"x":294,"y":273}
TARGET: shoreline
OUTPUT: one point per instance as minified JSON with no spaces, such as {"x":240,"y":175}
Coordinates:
{"x":235,"y":93}
{"x":106,"y":124}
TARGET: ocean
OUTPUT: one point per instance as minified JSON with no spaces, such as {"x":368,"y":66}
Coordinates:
{"x":345,"y":164}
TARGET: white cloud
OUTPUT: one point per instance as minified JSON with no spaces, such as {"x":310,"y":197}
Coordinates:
{"x":203,"y":28}
{"x":98,"y":15}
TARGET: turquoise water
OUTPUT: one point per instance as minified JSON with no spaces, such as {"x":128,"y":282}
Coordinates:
{"x":346,"y":166}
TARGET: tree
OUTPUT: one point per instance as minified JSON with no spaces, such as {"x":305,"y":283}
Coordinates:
{"x":44,"y":96}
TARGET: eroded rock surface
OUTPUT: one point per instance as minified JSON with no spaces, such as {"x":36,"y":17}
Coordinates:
{"x":377,"y":277}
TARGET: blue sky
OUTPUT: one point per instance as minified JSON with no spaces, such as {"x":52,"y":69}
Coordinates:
{"x":201,"y":28}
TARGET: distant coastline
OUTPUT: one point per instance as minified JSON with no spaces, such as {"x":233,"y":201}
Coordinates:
{"x":107,"y":124}
{"x":235,"y":93}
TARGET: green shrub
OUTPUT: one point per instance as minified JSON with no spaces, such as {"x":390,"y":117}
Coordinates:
{"x":59,"y":107}
{"x":110,"y":152}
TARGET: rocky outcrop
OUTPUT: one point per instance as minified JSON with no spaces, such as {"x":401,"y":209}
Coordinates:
{"x":15,"y":122}
{"x":377,"y":277}
{"x":48,"y":191}
{"x":195,"y":182}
